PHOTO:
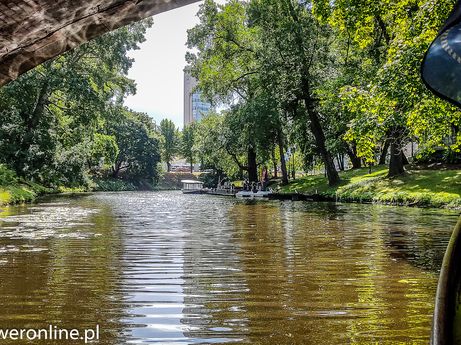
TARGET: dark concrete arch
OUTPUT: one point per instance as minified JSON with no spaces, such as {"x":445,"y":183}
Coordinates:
{"x":34,"y":31}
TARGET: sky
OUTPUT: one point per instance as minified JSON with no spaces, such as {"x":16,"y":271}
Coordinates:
{"x":159,"y":64}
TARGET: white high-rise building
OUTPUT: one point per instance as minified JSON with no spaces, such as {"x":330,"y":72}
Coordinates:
{"x":194,"y":107}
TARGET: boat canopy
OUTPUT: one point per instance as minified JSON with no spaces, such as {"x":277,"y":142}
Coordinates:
{"x":192,"y":184}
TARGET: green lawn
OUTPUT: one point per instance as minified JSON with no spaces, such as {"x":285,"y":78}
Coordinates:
{"x":434,"y":188}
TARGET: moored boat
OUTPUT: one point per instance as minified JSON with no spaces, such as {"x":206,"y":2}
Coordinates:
{"x":192,"y":187}
{"x":252,"y":195}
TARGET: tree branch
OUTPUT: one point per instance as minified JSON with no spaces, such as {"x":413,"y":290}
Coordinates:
{"x":234,"y":157}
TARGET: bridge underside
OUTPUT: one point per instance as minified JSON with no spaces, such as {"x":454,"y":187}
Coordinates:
{"x":33,"y":31}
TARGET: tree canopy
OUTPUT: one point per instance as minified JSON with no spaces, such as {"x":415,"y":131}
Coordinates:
{"x":332,"y":79}
{"x":63,"y":122}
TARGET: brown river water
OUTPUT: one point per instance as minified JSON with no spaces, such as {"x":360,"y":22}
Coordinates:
{"x":167,"y":268}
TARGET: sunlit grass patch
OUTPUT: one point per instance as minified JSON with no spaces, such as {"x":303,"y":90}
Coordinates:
{"x":424,"y":188}
{"x":5,"y":197}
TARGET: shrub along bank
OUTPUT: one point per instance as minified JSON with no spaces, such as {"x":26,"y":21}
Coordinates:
{"x":15,"y":190}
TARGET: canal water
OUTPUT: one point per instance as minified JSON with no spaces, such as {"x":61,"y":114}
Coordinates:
{"x":168,"y":268}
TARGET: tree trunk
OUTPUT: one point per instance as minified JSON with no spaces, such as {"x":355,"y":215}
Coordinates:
{"x":315,"y":125}
{"x":252,"y":166}
{"x":39,"y":107}
{"x":168,"y":166}
{"x":283,"y":164}
{"x":396,"y":167}
{"x":317,"y":131}
{"x":355,"y":160}
{"x":340,"y":160}
{"x":116,"y":169}
{"x":382,"y":158}
{"x":274,"y":162}
{"x":31,"y":120}
{"x":191,"y":167}
{"x":404,"y":159}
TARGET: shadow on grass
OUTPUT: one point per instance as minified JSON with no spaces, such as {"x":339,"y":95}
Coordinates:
{"x":417,"y":187}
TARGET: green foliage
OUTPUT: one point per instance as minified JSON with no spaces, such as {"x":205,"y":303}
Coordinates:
{"x":210,"y":180}
{"x":58,"y":120}
{"x":138,"y":146}
{"x":226,"y":66}
{"x":16,"y":194}
{"x":14,"y":190}
{"x":187,"y":143}
{"x":266,"y":59}
{"x":384,"y":96}
{"x":210,"y":143}
{"x":224,"y":62}
{"x":104,"y":150}
{"x":7,"y":176}
{"x":169,"y":139}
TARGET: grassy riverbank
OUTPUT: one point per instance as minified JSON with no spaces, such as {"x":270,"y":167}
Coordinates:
{"x":14,"y":190}
{"x":422,"y":188}
{"x":21,"y":192}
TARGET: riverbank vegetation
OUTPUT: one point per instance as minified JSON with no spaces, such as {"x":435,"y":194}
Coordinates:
{"x":15,"y":190}
{"x":64,"y":125}
{"x":295,"y":87}
{"x":321,"y":85}
{"x":172,"y":181}
{"x":422,"y":188}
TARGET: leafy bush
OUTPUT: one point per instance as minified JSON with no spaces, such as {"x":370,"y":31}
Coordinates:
{"x":210,"y":180}
{"x":7,"y":176}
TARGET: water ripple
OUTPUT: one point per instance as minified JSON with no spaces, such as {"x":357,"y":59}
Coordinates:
{"x":167,"y":268}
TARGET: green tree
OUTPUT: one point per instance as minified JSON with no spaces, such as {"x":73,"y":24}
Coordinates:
{"x":224,"y":66}
{"x":294,"y":56}
{"x":139,"y":148}
{"x":262,"y":47}
{"x":390,"y":105}
{"x":55,"y":111}
{"x":187,"y":144}
{"x":169,"y":141}
{"x":210,"y":146}
{"x":104,"y":152}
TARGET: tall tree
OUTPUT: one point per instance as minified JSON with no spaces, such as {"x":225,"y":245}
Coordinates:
{"x":210,"y":142}
{"x":187,"y":144}
{"x":225,"y":67}
{"x":390,"y":105}
{"x":294,"y":47}
{"x":169,"y":141}
{"x":138,"y":147}
{"x":245,"y":50}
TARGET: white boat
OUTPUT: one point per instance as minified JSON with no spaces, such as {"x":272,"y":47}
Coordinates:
{"x":192,"y":187}
{"x":251,"y":195}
